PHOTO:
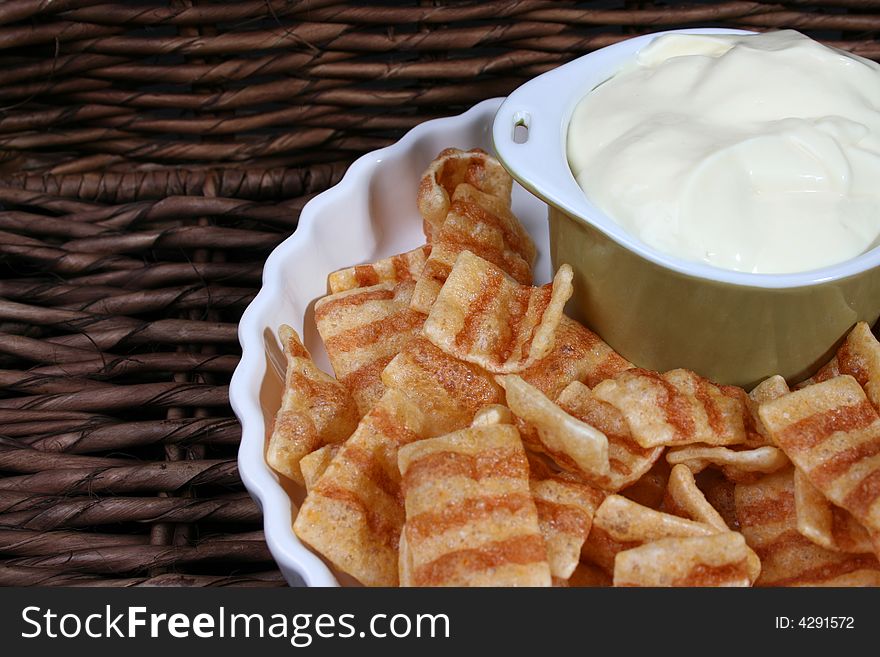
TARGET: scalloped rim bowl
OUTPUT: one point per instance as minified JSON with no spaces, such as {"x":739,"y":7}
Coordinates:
{"x":371,"y":213}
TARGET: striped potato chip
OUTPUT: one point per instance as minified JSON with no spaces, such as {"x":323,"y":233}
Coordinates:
{"x":718,"y":560}
{"x":620,"y":524}
{"x":739,"y":464}
{"x":315,"y":410}
{"x":470,"y":517}
{"x":484,"y":317}
{"x":858,"y":356}
{"x":685,"y":499}
{"x":565,"y":514}
{"x":578,"y":354}
{"x":363,"y":329}
{"x":396,"y":269}
{"x":449,"y":391}
{"x":768,"y":520}
{"x":676,"y":408}
{"x":313,"y":465}
{"x":572,"y":444}
{"x":644,"y":547}
{"x":627,"y":460}
{"x":828,"y":526}
{"x":353,"y":513}
{"x":485,"y":226}
{"x":769,"y":389}
{"x":451,"y":168}
{"x":831,"y":432}
{"x":626,"y":521}
{"x":736,"y":464}
{"x":493,"y":414}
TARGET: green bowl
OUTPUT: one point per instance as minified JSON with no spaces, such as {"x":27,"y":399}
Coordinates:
{"x":658,"y":311}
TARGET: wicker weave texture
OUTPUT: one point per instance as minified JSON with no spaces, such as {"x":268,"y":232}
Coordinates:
{"x":152,"y":153}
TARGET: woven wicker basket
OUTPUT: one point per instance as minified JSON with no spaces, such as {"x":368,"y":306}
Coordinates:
{"x":152,"y":153}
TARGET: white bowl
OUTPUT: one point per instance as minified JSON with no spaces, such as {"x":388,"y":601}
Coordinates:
{"x":369,"y":215}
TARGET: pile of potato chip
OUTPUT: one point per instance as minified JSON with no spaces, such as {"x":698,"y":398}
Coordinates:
{"x":476,"y":436}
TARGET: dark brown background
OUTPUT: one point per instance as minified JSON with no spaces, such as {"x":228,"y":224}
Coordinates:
{"x":152,"y":153}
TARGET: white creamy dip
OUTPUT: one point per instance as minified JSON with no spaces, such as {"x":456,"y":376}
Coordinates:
{"x":757,"y":153}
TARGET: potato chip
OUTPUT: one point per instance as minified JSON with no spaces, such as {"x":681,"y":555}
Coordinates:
{"x":718,"y":560}
{"x":449,"y":391}
{"x":483,"y":225}
{"x":572,"y":444}
{"x":363,"y":329}
{"x":451,"y":168}
{"x":831,"y":432}
{"x":493,"y":414}
{"x":685,"y":499}
{"x":565,"y":514}
{"x":396,"y":269}
{"x":676,"y":408}
{"x":483,"y":317}
{"x":470,"y":517}
{"x":353,"y":513}
{"x":315,"y":410}
{"x":827,"y":525}
{"x":858,"y":356}
{"x":766,"y":511}
{"x":736,"y":464}
{"x":313,"y":465}
{"x":578,"y":354}
{"x":769,"y":389}
{"x":626,"y":521}
{"x":627,"y":460}
{"x":620,"y":524}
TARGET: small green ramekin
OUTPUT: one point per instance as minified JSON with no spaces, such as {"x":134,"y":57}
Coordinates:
{"x":658,"y":311}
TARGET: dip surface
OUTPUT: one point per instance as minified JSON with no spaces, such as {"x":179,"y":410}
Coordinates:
{"x":757,"y":153}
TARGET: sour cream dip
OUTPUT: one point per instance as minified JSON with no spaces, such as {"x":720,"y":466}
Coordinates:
{"x":756,"y":153}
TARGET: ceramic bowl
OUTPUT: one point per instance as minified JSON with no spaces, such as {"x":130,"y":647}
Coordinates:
{"x":659,"y":311}
{"x":370,"y":214}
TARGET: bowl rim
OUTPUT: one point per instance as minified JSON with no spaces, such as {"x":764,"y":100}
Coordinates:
{"x":545,"y":103}
{"x":262,"y":483}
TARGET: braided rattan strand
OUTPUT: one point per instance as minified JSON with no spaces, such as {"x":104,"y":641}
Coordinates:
{"x":22,"y":576}
{"x":48,"y":512}
{"x":152,"y":153}
{"x":138,"y":478}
